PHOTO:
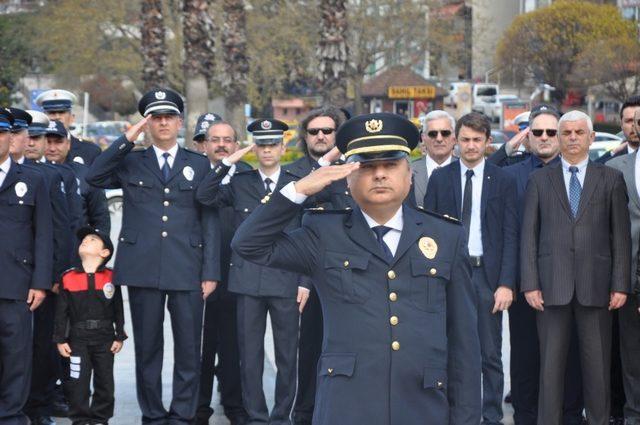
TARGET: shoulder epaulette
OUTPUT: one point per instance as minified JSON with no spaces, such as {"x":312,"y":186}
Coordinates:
{"x":321,"y":210}
{"x":191,"y":151}
{"x":445,"y":217}
{"x":291,"y":173}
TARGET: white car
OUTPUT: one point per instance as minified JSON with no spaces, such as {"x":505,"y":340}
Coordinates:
{"x":607,"y":137}
{"x":492,"y":107}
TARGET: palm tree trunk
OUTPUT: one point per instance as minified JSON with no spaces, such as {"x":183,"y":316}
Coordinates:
{"x":154,"y":48}
{"x":332,"y":51}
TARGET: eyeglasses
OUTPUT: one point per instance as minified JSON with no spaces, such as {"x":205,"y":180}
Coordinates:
{"x":434,"y":133}
{"x":326,"y":131}
{"x":551,"y":132}
{"x":220,"y":139}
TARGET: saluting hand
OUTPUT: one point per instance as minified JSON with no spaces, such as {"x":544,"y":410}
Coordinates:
{"x":332,"y":155}
{"x":514,"y":143}
{"x":237,"y":155}
{"x":135,"y":130}
{"x":323,"y":177}
{"x":35,"y":298}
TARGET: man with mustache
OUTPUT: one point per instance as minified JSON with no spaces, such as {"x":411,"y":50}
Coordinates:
{"x":200,"y":131}
{"x":483,"y":197}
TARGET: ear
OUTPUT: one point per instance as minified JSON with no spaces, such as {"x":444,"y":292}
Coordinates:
{"x":104,"y":253}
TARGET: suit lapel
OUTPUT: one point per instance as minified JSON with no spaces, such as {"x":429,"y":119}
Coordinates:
{"x":411,"y":231}
{"x":557,"y":182}
{"x":151,"y":162}
{"x":629,"y":172}
{"x":420,"y":179}
{"x":487,"y":188}
{"x":591,"y":182}
{"x":359,"y":231}
{"x":457,"y":182}
{"x":11,"y":177}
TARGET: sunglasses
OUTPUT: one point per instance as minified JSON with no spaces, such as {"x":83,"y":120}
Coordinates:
{"x":434,"y":133}
{"x":325,"y":131}
{"x":551,"y":132}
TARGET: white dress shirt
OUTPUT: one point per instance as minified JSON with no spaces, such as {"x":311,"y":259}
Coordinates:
{"x":432,"y":165}
{"x":20,"y":161}
{"x":274,"y":179}
{"x":582,"y":169}
{"x":4,"y":169}
{"x":172,"y":155}
{"x":475,"y":226}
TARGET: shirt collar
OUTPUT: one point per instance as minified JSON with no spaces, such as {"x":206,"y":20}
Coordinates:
{"x":396,"y":222}
{"x":581,"y":165}
{"x":173,"y":152}
{"x":6,"y":165}
{"x":21,"y":160}
{"x":478,"y":170}
{"x":432,"y":165}
{"x":274,"y":177}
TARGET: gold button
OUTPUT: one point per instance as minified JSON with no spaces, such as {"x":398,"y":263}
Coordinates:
{"x":393,"y":296}
{"x":391,"y":274}
{"x":165,"y":218}
{"x":164,"y":234}
{"x":393,"y":320}
{"x":167,"y":190}
{"x":395,"y":345}
{"x":330,"y":371}
{"x":346,"y":263}
{"x":165,"y":203}
{"x":433,"y":272}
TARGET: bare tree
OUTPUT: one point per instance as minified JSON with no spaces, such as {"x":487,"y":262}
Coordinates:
{"x":333,"y":52}
{"x":154,"y":49}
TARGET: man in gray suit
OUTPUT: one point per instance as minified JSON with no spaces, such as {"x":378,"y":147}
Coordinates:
{"x":628,"y":317}
{"x":575,"y":259}
{"x":438,"y":140}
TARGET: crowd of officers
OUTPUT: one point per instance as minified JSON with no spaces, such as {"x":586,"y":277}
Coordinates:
{"x":385,"y":284}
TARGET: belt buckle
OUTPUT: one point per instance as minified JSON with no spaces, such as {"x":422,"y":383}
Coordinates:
{"x":92,"y":324}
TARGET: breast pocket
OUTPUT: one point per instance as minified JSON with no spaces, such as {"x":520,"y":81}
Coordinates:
{"x":429,"y":284}
{"x":346,"y":278}
{"x":140,"y":188}
{"x":23,"y":207}
{"x":186,"y":192}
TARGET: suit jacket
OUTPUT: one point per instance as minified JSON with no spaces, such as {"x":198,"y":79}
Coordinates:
{"x":26,"y":233}
{"x":587,"y":257}
{"x":168,"y":240}
{"x":627,"y":165}
{"x":419,"y":181}
{"x":422,"y":301}
{"x":244,"y":193}
{"x":498,"y":216}
{"x":83,"y":152}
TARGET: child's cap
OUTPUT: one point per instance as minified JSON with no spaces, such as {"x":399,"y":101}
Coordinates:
{"x":88,"y":230}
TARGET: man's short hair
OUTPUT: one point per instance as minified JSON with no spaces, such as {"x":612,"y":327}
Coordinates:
{"x":438,"y":114}
{"x":475,"y":121}
{"x":326,"y":111}
{"x":576,"y":116}
{"x":631,"y":102}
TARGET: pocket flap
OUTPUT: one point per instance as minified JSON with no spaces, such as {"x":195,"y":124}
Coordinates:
{"x":434,"y":378}
{"x":128,"y":236}
{"x":140,"y":181}
{"x":346,"y":261}
{"x":431,"y":268}
{"x":186,"y":185}
{"x":334,"y":364}
{"x":196,"y":241}
{"x":243,"y":208}
{"x":24,"y":256}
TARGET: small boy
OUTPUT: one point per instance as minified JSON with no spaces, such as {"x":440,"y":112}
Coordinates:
{"x":88,"y":307}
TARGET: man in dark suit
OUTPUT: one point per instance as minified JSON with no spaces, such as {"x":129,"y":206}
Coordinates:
{"x":57,"y":105}
{"x":220,"y":333}
{"x":255,"y":285}
{"x":26,"y":258}
{"x":400,"y":334}
{"x":575,"y":265}
{"x":438,"y":140}
{"x":483,"y":197}
{"x":168,"y":252}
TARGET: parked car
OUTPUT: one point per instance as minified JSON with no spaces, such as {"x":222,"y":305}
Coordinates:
{"x":599,"y":148}
{"x":607,"y":137}
{"x":492,"y":107}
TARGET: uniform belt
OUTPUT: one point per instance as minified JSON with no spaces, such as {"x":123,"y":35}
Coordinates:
{"x":93,"y":324}
{"x":476,"y":261}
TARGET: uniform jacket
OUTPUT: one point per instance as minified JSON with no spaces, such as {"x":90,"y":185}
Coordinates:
{"x":425,"y":305}
{"x":498,"y":215}
{"x":83,"y":152}
{"x":89,"y":296}
{"x":586,"y":257}
{"x":94,"y":206}
{"x":245,"y":192}
{"x":26,"y":233}
{"x":168,"y":240}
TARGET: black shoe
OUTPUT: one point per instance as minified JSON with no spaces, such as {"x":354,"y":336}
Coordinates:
{"x":60,"y":409}
{"x":43,"y":420}
{"x":238,"y":420}
{"x":507,"y":398}
{"x":615,"y":420}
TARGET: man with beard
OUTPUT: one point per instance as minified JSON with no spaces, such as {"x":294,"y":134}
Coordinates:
{"x":631,"y":140}
{"x":220,"y":334}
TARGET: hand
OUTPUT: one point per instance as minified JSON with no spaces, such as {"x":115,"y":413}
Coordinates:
{"x":617,"y":300}
{"x":622,"y":146}
{"x":55,"y":288}
{"x":534,"y":298}
{"x":514,"y":143}
{"x":134,"y":131}
{"x":303,"y":297}
{"x":35,"y":298}
{"x":116,"y":347}
{"x":64,"y":350}
{"x":323,"y":177}
{"x":208,"y":286}
{"x":503,"y":298}
{"x":332,"y":156}
{"x":237,"y":155}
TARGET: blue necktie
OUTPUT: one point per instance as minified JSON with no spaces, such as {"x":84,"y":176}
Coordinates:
{"x":574,"y":191}
{"x":166,"y":169}
{"x":380,"y":231}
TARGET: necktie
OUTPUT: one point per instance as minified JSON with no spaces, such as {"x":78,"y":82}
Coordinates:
{"x":467,"y":200}
{"x":166,"y":169}
{"x":574,"y":190}
{"x":380,"y":231}
{"x":267,"y":185}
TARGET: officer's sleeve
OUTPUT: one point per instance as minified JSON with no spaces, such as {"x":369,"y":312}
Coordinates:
{"x":499,"y":157}
{"x":620,"y":236}
{"x":529,"y":279}
{"x":62,"y":241}
{"x":98,"y":210}
{"x":464,"y":367}
{"x":74,"y":201}
{"x":43,"y":246}
{"x":121,"y":335}
{"x":104,"y":172}
{"x":508,"y":269}
{"x":211,"y":191}
{"x":211,"y":237}
{"x":261,"y":238}
{"x":61,"y":320}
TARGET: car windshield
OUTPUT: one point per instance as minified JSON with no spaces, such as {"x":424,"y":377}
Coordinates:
{"x":486,"y":91}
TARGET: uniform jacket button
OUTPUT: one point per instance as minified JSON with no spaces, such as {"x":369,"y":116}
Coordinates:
{"x":167,"y":190}
{"x":395,"y":345}
{"x":165,"y":218}
{"x":346,"y":263}
{"x":391,"y":274}
{"x":393,"y":296}
{"x":164,"y":234}
{"x":165,"y":203}
{"x":433,"y":272}
{"x":393,"y":320}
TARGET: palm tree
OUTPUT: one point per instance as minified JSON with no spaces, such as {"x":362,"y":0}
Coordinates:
{"x":154,"y":49}
{"x":332,"y":51}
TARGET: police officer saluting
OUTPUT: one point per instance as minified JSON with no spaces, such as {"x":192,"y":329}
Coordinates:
{"x":400,"y":324}
{"x":57,"y":105}
{"x":167,"y":252}
{"x":25,"y":218}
